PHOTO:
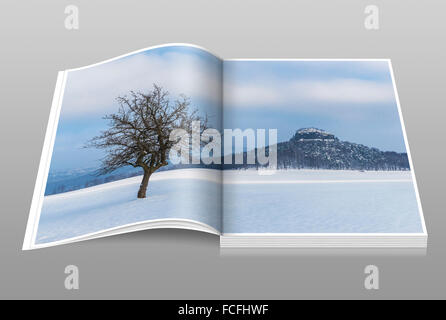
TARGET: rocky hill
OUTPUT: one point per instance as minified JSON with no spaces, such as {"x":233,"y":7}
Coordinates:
{"x":318,"y":149}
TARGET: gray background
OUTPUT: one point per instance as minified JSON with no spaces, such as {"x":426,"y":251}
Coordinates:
{"x":181,"y":264}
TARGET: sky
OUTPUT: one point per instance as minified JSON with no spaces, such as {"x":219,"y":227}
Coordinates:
{"x":91,"y":93}
{"x":352,"y":99}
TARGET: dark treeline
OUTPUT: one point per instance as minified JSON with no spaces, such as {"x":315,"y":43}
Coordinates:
{"x":316,"y":149}
{"x":307,"y":149}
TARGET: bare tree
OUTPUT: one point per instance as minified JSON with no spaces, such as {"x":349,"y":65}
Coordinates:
{"x":139,"y":132}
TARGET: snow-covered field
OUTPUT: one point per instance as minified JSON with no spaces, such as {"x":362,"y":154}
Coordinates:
{"x":294,"y":201}
{"x":320,"y":201}
{"x":193,"y":194}
{"x":309,"y":175}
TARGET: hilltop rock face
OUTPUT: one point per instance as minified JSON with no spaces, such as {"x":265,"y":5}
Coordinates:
{"x":312,"y":148}
{"x":312,"y":134}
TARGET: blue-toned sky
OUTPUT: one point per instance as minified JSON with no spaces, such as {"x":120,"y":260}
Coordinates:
{"x":91,"y":93}
{"x":352,"y":99}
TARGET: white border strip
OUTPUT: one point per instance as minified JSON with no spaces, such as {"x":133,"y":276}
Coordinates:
{"x":168,"y":223}
{"x":328,"y":240}
{"x":44,"y":165}
{"x":406,"y":141}
{"x":179,"y":44}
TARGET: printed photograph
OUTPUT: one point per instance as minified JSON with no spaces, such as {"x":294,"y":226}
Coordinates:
{"x":342,"y":163}
{"x":110,"y":161}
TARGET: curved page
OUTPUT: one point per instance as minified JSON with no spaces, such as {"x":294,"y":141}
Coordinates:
{"x":106,"y":164}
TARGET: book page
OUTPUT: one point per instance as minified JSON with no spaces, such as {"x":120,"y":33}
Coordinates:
{"x":336,"y":159}
{"x":110,"y":160}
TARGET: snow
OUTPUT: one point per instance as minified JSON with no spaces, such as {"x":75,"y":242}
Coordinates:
{"x":310,"y":175}
{"x":194,"y":194}
{"x":289,"y":201}
{"x":320,"y":201}
{"x":312,"y":130}
{"x":328,"y":139}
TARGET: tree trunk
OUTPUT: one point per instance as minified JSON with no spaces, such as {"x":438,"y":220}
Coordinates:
{"x":144,"y":184}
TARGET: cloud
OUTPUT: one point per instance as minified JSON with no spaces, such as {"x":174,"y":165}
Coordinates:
{"x":94,"y":90}
{"x":348,"y":91}
{"x":280,"y":93}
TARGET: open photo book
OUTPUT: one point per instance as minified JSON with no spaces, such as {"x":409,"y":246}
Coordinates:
{"x":261,"y":152}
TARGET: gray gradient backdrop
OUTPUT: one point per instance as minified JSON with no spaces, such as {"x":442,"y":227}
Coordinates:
{"x":181,"y":264}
